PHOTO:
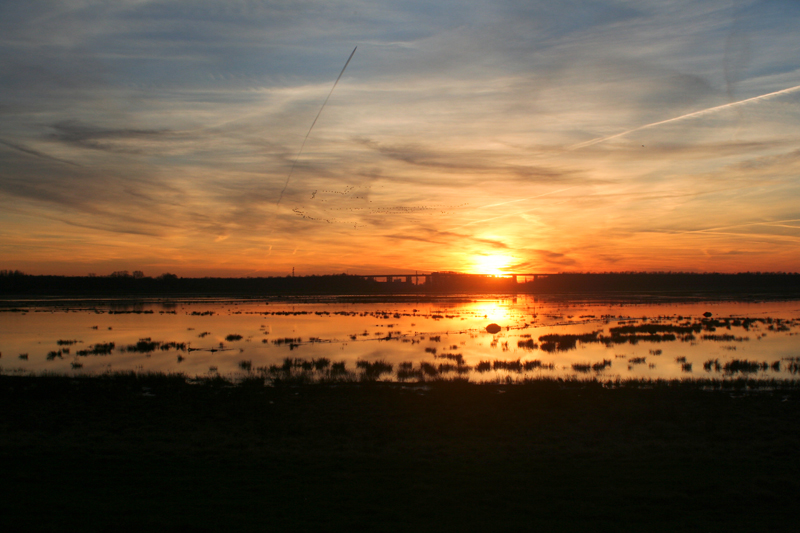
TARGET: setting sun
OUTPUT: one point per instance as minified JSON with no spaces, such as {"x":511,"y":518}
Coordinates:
{"x":494,"y":265}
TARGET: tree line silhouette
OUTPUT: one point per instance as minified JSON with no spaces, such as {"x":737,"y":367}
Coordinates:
{"x":121,"y":283}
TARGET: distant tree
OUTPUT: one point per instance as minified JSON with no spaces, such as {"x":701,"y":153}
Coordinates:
{"x":166,"y":276}
{"x":120,"y":274}
{"x":138,"y":274}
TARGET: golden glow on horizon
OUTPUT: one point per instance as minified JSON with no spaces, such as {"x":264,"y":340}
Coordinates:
{"x":493,"y":265}
{"x":429,"y":165}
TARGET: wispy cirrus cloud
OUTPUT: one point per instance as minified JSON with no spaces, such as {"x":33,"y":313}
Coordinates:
{"x":172,"y":125}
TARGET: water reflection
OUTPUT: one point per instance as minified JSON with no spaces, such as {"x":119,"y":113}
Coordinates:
{"x":404,"y":340}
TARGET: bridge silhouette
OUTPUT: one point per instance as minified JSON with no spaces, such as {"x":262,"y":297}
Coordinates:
{"x":442,"y":277}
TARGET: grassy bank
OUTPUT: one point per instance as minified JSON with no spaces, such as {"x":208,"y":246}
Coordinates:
{"x":158,"y":452}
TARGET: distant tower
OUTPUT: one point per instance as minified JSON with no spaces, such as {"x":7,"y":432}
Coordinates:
{"x":292,"y":271}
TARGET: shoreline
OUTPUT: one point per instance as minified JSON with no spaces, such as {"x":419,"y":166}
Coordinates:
{"x":9,"y":302}
{"x":256,"y":381}
{"x":745,"y":284}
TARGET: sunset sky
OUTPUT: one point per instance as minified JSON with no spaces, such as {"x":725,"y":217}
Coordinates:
{"x":526,"y":136}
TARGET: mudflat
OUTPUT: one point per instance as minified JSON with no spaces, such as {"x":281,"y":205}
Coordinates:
{"x":161,"y":453}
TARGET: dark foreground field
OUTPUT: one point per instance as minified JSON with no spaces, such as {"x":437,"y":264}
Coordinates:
{"x":159,"y":454}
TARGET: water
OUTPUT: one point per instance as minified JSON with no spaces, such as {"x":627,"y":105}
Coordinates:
{"x":199,"y":337}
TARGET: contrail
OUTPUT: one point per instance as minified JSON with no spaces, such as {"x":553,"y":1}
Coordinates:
{"x":521,"y":199}
{"x":772,"y":223}
{"x":508,"y":214}
{"x":312,"y":126}
{"x":688,"y":115}
{"x":36,"y":153}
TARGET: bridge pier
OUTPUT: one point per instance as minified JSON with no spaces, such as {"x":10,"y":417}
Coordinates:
{"x":430,"y":279}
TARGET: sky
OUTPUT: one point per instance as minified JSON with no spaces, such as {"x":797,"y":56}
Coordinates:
{"x":471,"y":136}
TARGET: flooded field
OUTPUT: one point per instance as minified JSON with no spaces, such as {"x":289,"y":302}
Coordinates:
{"x":480,"y":339}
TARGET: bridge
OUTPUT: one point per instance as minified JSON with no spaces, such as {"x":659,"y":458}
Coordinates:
{"x":434,"y":277}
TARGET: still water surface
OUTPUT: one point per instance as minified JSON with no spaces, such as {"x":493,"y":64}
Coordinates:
{"x":201,"y":337}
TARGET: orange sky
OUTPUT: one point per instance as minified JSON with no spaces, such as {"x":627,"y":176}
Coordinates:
{"x":510,"y":136}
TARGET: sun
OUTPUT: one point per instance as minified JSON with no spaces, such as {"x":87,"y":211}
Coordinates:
{"x":493,"y":265}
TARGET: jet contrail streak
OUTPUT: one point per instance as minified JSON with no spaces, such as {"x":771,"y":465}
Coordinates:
{"x":688,"y":115}
{"x":36,"y":153}
{"x":753,"y":235}
{"x":521,"y":199}
{"x":773,"y":223}
{"x":508,"y":214}
{"x":312,"y":126}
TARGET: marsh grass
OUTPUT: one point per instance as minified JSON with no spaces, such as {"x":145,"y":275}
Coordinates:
{"x":630,"y":334}
{"x":147,"y":345}
{"x":287,"y":340}
{"x":427,"y":369}
{"x":725,"y":338}
{"x":406,"y":371}
{"x":483,"y":366}
{"x":373,"y":370}
{"x":321,"y":364}
{"x":300,"y":372}
{"x":98,"y":349}
{"x":456,"y":357}
{"x":586,"y":454}
{"x":527,"y":344}
{"x":338,"y":374}
{"x":562,"y":343}
{"x":510,"y":366}
{"x":67,"y":342}
{"x":599,"y":367}
{"x":536,"y":364}
{"x":744,"y":366}
{"x":445,"y":368}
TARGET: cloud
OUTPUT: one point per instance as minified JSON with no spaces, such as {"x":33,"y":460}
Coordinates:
{"x":470,"y":164}
{"x":691,"y":115}
{"x":542,"y":260}
{"x":173,"y":126}
{"x":435,"y":236}
{"x":36,"y":153}
{"x":83,"y":135}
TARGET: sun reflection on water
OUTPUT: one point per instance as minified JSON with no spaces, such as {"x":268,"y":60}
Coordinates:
{"x":553,"y":338}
